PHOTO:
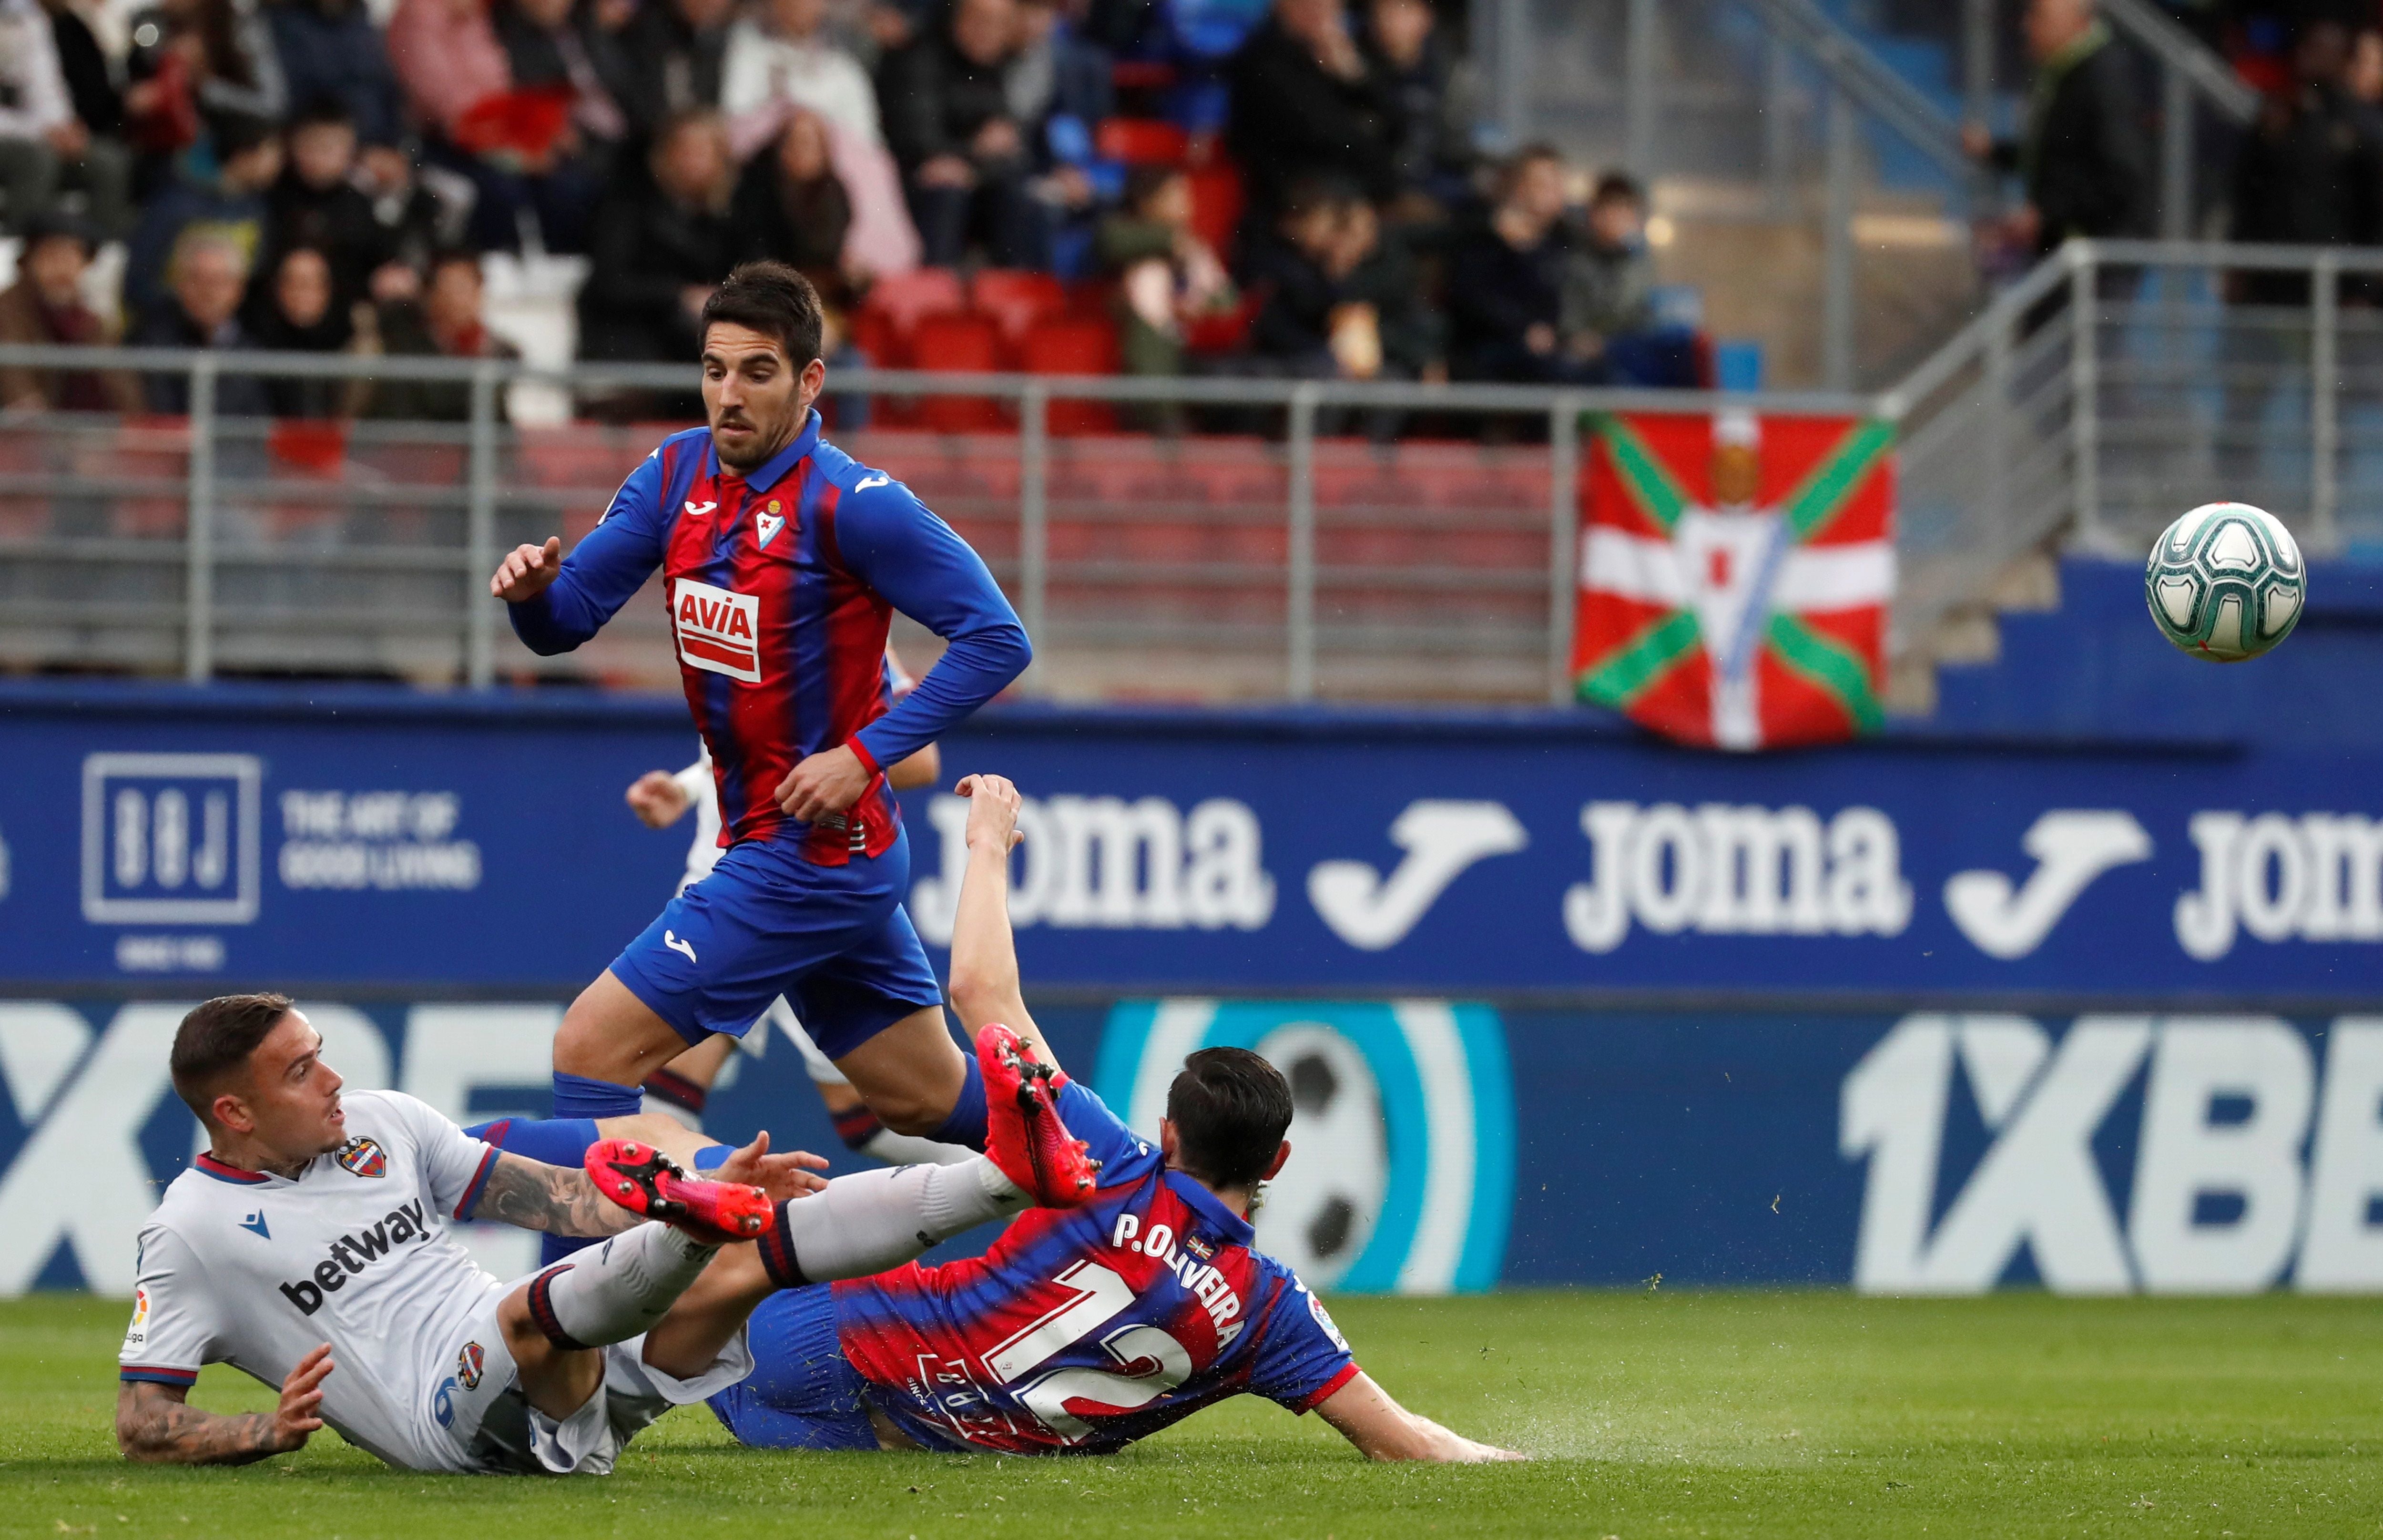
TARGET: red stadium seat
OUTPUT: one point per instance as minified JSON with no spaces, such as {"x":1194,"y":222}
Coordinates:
{"x":963,"y":342}
{"x":1216,"y":201}
{"x":1017,"y":301}
{"x":1080,"y":345}
{"x":906,"y":299}
{"x":1140,"y":142}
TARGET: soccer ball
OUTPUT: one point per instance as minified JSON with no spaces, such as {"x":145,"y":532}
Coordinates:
{"x":2225,"y":582}
{"x":1320,"y":1212}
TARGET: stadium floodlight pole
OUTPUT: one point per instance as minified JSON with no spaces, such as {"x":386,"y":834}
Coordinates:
{"x":1564,"y":543}
{"x":2325,"y":400}
{"x":480,"y":532}
{"x":1300,"y":557}
{"x":1033,"y":512}
{"x":198,"y":533}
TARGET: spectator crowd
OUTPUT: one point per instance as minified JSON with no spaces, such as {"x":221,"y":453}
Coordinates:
{"x":1293,"y":191}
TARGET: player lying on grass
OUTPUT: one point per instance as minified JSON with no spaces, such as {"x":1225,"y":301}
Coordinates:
{"x":1084,"y":1331}
{"x":309,"y":1247}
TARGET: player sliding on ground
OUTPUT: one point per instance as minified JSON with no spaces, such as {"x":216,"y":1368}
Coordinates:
{"x":309,"y":1247}
{"x":783,"y":560}
{"x":1077,"y":1332}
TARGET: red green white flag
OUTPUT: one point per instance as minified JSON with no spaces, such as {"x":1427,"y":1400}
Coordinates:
{"x":1734,"y":575}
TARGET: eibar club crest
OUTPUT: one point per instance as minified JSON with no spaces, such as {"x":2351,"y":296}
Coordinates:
{"x":363,"y":1157}
{"x":768,"y":522}
{"x":1734,"y":575}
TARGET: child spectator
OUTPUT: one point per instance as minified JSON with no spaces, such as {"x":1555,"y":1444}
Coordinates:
{"x":1340,"y":301}
{"x":46,"y":307}
{"x":1167,"y":275}
{"x":1609,"y":285}
{"x":317,"y":204}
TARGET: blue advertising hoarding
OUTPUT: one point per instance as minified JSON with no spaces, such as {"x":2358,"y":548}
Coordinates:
{"x":1559,"y":1004}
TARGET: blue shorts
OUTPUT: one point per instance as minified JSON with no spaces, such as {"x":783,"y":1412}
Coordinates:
{"x":803,"y":1393}
{"x":835,"y":941}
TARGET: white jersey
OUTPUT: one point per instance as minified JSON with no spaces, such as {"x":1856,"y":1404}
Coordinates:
{"x":255,"y":1270}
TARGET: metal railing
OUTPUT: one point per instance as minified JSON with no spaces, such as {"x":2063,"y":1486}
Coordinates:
{"x":1288,"y":557}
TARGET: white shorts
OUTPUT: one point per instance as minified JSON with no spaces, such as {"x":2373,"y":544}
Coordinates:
{"x":478,"y":1411}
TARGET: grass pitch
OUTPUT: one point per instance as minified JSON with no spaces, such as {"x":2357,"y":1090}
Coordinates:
{"x":1651,"y":1414}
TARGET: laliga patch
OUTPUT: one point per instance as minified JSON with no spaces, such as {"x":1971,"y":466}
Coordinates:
{"x":469,"y":1366}
{"x":768,"y":522}
{"x":1324,"y":1319}
{"x":363,"y":1157}
{"x":718,"y":630}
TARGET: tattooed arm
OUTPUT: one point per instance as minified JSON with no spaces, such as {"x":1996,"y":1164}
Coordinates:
{"x":156,"y":1425}
{"x":555,"y":1198}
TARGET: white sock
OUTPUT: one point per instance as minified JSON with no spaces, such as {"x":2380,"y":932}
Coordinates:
{"x":914,"y":1150}
{"x":615,"y":1289}
{"x":874,"y":1220}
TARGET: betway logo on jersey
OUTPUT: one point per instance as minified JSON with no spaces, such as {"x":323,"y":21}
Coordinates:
{"x":719,"y":630}
{"x":350,"y":1254}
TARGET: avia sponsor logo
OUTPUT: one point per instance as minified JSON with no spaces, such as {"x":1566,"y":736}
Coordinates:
{"x":1105,"y":862}
{"x":719,"y":630}
{"x":2317,"y":877}
{"x":350,"y":1254}
{"x":1191,"y":1269}
{"x":2221,"y":1199}
{"x":1719,"y":869}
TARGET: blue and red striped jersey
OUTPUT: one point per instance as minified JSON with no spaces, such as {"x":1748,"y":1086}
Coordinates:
{"x":781,"y":586}
{"x":1082,"y":1330}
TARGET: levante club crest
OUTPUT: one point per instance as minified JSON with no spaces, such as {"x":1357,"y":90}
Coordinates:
{"x":363,"y":1157}
{"x":1734,"y":575}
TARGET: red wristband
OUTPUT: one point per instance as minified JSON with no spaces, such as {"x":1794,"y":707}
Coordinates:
{"x":868,"y":760}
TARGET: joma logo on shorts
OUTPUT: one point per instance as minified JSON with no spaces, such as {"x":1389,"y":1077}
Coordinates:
{"x":351,"y":1252}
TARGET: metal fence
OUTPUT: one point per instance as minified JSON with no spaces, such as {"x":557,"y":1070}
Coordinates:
{"x":1290,"y":556}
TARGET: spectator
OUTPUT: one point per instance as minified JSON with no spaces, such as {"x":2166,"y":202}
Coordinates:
{"x":511,"y":146}
{"x":2310,"y":172}
{"x":1428,"y":97}
{"x":1305,"y":108}
{"x":664,"y":241}
{"x":1506,"y":281}
{"x":91,"y":90}
{"x":46,"y":141}
{"x":1167,"y":277}
{"x":445,"y":323}
{"x":2084,"y":156}
{"x":231,"y":204}
{"x":968,"y":162}
{"x":317,"y":204}
{"x":1608,"y":321}
{"x":207,"y":60}
{"x":297,"y":311}
{"x":45,"y":306}
{"x":2365,"y":77}
{"x":785,"y":58}
{"x":330,"y":50}
{"x":1338,"y":299}
{"x":672,"y":53}
{"x":1053,"y":71}
{"x":790,"y":206}
{"x":206,"y":278}
{"x":555,"y":46}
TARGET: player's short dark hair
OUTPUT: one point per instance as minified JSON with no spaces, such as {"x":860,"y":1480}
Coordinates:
{"x":1231,"y":1109}
{"x":215,"y":1039}
{"x":773,"y":300}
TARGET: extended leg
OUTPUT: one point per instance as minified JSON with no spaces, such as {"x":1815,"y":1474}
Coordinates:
{"x":609,"y":1043}
{"x":555,"y":1324}
{"x":914,"y":1077}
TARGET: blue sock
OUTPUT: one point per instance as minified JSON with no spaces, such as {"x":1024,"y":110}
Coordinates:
{"x":555,"y":1140}
{"x":552,"y":1249}
{"x":576,"y":1096}
{"x":966,"y":1125}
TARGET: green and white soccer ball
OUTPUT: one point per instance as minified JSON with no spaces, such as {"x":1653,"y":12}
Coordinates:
{"x":2225,"y":582}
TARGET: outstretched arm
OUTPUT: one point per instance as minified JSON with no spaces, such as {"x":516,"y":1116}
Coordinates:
{"x":555,"y":1198}
{"x":1382,"y":1429}
{"x":984,"y":954}
{"x":156,"y":1426}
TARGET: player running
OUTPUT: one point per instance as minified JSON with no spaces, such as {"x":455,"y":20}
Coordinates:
{"x":1078,"y":1332}
{"x":310,"y":1247}
{"x":784,"y":559}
